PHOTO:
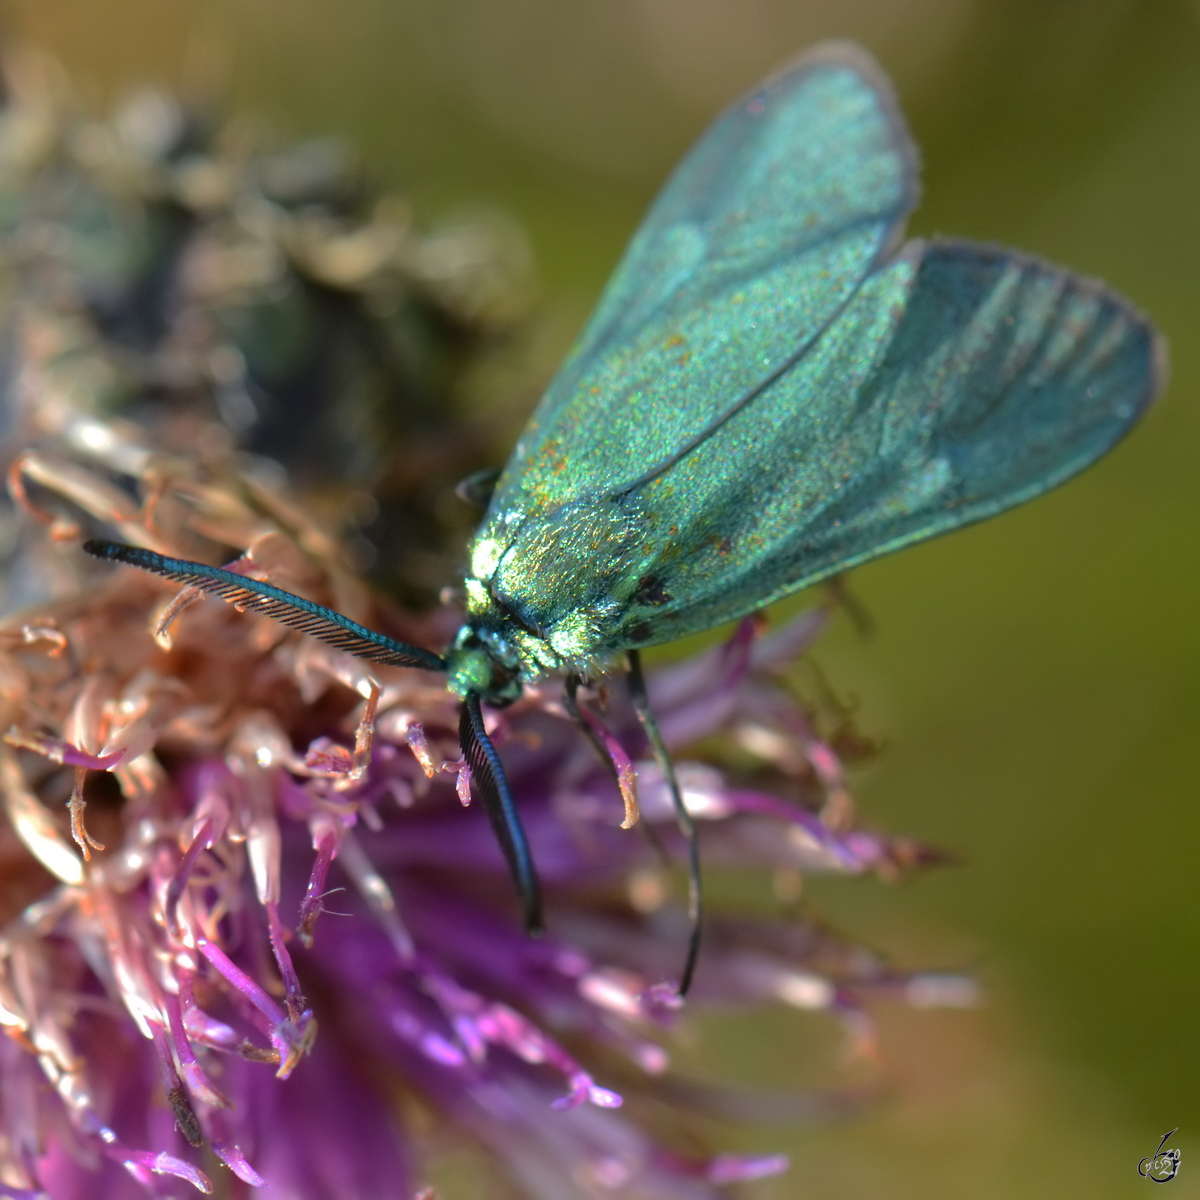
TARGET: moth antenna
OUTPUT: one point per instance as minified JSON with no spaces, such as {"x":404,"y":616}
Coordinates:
{"x":641,"y":704}
{"x":487,"y":774}
{"x":293,"y":611}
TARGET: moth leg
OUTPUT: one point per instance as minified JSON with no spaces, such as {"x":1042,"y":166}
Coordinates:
{"x":641,"y":704}
{"x":571,"y":703}
{"x":571,"y":686}
{"x":487,"y":773}
{"x":842,"y":597}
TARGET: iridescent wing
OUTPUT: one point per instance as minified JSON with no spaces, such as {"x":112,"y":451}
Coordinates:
{"x":960,"y":381}
{"x":756,"y":243}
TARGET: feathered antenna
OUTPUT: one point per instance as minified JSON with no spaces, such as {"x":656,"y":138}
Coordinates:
{"x":293,"y":611}
{"x":487,"y":773}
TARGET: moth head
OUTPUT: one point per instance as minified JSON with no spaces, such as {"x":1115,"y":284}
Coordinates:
{"x":476,"y":666}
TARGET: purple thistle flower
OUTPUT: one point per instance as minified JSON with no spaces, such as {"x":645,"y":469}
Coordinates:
{"x":178,"y":982}
{"x":249,"y":916}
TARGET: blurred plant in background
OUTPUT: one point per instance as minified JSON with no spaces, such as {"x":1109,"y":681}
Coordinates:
{"x":162,"y":268}
{"x":215,"y":351}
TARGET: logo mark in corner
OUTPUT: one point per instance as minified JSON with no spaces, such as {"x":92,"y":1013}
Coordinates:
{"x":1163,"y":1165}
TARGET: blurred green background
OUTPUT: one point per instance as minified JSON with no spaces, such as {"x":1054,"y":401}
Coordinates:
{"x":1036,"y":679}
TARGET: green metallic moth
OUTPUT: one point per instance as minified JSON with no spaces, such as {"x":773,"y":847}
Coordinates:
{"x":774,"y":387}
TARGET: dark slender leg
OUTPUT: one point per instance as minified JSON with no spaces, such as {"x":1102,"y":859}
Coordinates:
{"x":571,"y":704}
{"x":487,"y":774}
{"x":641,"y":704}
{"x":853,"y":607}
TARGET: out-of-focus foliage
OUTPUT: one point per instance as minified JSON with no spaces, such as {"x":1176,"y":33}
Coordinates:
{"x":168,"y":268}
